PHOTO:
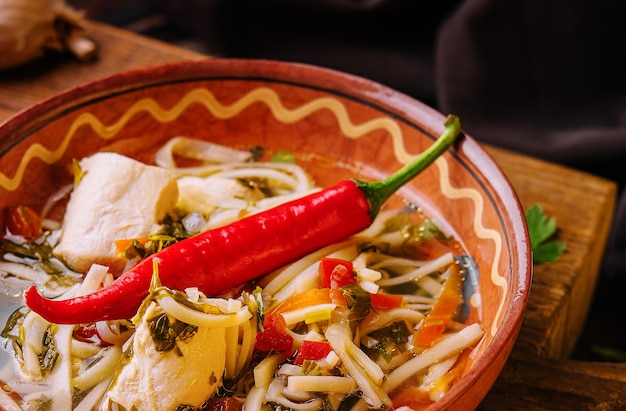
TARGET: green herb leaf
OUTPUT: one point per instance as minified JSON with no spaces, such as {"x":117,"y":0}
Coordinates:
{"x":391,"y":338}
{"x":540,"y":230}
{"x":166,"y":334}
{"x":283,"y":157}
{"x":548,"y":252}
{"x":359,"y":303}
{"x":311,"y":368}
{"x":50,"y":355}
{"x":257,"y":152}
{"x":78,"y":172}
{"x":429,"y":230}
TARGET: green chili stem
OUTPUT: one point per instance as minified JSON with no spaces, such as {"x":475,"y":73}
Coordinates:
{"x":377,"y":192}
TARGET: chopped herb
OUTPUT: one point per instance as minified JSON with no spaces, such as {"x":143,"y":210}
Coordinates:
{"x":260,"y":187}
{"x":13,"y":331}
{"x":166,"y":334}
{"x":283,"y":157}
{"x":540,"y":230}
{"x":78,"y":172}
{"x":349,"y":402}
{"x":172,"y":231}
{"x":311,"y":368}
{"x":326,"y":404}
{"x":254,"y":302}
{"x":257,"y":153}
{"x":14,"y":320}
{"x":400,"y":222}
{"x":49,"y":356}
{"x":24,"y":250}
{"x":182,"y":299}
{"x":429,"y":229}
{"x":359,"y":302}
{"x":135,"y":249}
{"x":212,"y":379}
{"x":391,"y":338}
{"x":34,"y":253}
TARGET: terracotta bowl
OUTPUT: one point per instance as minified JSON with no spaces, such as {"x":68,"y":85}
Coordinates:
{"x":337,"y":125}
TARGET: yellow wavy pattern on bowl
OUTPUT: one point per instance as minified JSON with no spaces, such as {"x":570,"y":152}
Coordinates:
{"x":267,"y":96}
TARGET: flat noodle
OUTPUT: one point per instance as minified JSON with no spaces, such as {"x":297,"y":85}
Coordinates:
{"x":449,"y":346}
{"x":100,"y":371}
{"x":199,"y":150}
{"x":232,"y":343}
{"x":281,"y":278}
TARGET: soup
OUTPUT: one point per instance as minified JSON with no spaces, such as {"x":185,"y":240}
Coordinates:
{"x":373,"y":321}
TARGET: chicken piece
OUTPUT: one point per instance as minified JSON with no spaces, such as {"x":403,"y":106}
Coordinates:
{"x":187,"y":374}
{"x":117,"y":198}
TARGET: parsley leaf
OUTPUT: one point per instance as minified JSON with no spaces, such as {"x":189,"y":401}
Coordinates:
{"x":540,"y":230}
{"x":283,"y":157}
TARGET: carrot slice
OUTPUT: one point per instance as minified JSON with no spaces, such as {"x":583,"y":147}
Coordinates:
{"x":123,"y":244}
{"x":412,"y":397}
{"x":442,"y":312}
{"x":306,"y":298}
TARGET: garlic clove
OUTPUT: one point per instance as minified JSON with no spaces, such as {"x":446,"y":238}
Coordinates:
{"x":30,"y":27}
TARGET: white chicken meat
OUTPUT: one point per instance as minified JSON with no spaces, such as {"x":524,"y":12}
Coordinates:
{"x":164,"y":380}
{"x":117,"y":198}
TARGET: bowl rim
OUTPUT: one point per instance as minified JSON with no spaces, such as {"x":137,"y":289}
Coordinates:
{"x":30,"y":119}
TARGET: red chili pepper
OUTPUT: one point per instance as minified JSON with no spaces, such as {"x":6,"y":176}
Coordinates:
{"x":335,"y":273}
{"x":221,"y":259}
{"x":312,"y":350}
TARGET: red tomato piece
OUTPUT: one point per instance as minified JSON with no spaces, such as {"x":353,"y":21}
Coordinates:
{"x":335,"y":273}
{"x":271,"y":340}
{"x":386,"y":301}
{"x":275,"y":322}
{"x":89,"y":334}
{"x":312,"y":350}
{"x":222,"y":404}
{"x":22,"y":221}
{"x":273,"y":337}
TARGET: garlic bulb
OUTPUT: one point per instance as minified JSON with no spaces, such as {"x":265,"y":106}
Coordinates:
{"x":30,"y":27}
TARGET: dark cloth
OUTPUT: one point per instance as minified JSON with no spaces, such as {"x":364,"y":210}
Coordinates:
{"x":542,"y":77}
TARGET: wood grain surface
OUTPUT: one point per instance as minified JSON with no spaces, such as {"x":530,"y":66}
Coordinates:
{"x":538,"y":375}
{"x":561,"y":292}
{"x":119,"y":50}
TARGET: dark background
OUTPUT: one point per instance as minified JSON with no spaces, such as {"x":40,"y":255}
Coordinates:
{"x":542,"y":77}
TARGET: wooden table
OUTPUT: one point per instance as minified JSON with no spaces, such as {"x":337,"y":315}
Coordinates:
{"x":538,"y":375}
